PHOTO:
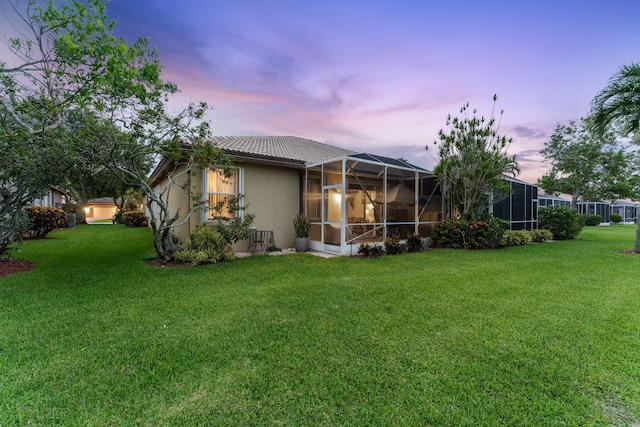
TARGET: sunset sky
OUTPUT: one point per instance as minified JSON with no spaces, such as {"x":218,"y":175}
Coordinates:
{"x":381,"y":76}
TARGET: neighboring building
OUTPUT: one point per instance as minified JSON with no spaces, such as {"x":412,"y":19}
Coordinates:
{"x":520,"y":207}
{"x":547,"y":200}
{"x":101,"y":208}
{"x":596,"y":208}
{"x":627,"y":210}
{"x":55,"y":198}
{"x":341,"y":191}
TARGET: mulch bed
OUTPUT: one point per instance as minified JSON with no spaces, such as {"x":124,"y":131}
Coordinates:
{"x":629,"y":252}
{"x":10,"y":266}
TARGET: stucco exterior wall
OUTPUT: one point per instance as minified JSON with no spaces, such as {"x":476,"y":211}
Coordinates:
{"x":179,"y":198}
{"x":273,"y":195}
{"x":100,"y":211}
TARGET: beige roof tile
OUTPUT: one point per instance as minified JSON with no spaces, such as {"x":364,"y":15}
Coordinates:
{"x":290,"y":148}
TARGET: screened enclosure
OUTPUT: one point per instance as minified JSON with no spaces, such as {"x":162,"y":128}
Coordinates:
{"x":520,"y":207}
{"x":628,"y":211}
{"x":547,"y":200}
{"x":365,"y":198}
{"x":595,"y":208}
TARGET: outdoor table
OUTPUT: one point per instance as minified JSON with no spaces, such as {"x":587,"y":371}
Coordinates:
{"x":260,"y":238}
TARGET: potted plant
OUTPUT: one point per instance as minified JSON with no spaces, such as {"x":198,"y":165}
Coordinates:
{"x":301,"y":225}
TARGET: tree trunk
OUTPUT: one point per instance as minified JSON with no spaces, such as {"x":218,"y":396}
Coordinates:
{"x":636,"y":247}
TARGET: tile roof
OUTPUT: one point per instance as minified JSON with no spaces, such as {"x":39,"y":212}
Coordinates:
{"x":290,"y":148}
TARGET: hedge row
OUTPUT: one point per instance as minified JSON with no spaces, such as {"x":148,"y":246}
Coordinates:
{"x":43,"y":219}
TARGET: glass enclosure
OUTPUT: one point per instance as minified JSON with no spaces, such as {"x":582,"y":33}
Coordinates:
{"x":520,"y":207}
{"x":595,"y":208}
{"x":627,"y":211}
{"x":546,"y":200}
{"x":362,"y":198}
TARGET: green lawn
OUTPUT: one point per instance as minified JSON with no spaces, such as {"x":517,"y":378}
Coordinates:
{"x":541,"y":335}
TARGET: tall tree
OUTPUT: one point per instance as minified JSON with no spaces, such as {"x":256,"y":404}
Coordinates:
{"x":63,"y":58}
{"x":586,"y":164}
{"x":618,"y":104}
{"x":68,"y":60}
{"x":473,"y":160}
{"x":184,"y":141}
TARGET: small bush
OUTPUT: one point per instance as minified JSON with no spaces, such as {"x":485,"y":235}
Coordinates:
{"x":392,"y":245}
{"x":515,"y":238}
{"x":482,"y":232}
{"x":43,"y":220}
{"x":134,"y":219}
{"x":118,"y":217}
{"x":370,"y":251}
{"x":561,"y":221}
{"x":591,"y":220}
{"x":616,"y":218}
{"x":414,"y":243}
{"x":204,"y":246}
{"x":541,"y":235}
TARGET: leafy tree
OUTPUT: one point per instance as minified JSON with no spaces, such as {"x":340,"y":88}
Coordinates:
{"x":618,"y":104}
{"x":181,"y":140}
{"x":91,"y":175}
{"x":65,"y":58}
{"x":69,"y":61}
{"x":586,"y":164}
{"x":472,"y":162}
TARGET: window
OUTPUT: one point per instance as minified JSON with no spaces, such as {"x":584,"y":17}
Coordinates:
{"x":220,"y":190}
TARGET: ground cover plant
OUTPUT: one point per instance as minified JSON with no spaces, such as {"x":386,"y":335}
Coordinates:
{"x":531,"y":335}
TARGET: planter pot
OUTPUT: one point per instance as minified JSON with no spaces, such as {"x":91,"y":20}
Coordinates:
{"x":302,"y":244}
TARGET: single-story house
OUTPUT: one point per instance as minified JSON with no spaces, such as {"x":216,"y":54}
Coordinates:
{"x":627,"y":210}
{"x":100,"y":208}
{"x":601,"y":208}
{"x":349,"y":197}
{"x":548,"y":200}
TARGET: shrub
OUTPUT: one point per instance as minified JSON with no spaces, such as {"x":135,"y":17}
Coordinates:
{"x":134,"y":219}
{"x":118,"y":217}
{"x":561,"y":221}
{"x":541,"y":235}
{"x":204,"y":246}
{"x":591,"y":220}
{"x":616,"y":218}
{"x":515,"y":238}
{"x":414,"y":243}
{"x":234,"y":229}
{"x":370,"y":251}
{"x":392,"y":245}
{"x":482,"y":232}
{"x":43,"y":219}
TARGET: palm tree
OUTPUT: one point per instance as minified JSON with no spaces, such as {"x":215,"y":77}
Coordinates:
{"x":619,"y":104}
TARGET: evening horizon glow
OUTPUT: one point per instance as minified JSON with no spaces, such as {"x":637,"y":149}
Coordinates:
{"x":381,"y":77}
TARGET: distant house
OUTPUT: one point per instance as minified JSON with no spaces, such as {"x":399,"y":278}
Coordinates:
{"x":627,"y":210}
{"x":548,"y":200}
{"x":55,"y":198}
{"x":349,"y":197}
{"x":601,"y":208}
{"x":100,"y":208}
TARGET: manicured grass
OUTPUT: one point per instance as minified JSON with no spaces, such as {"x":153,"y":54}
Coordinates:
{"x":546,"y":334}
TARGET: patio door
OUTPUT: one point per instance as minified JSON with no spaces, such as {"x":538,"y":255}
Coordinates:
{"x":332,"y":198}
